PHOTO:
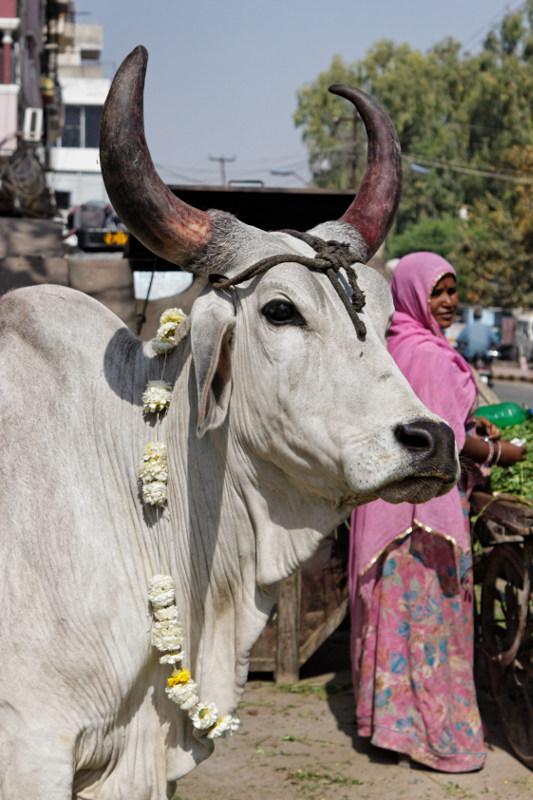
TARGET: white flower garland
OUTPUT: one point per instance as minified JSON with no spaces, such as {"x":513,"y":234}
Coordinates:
{"x":153,"y":470}
{"x":167,"y":632}
{"x":168,"y":325}
{"x":167,"y":637}
{"x":153,"y":474}
{"x":156,"y":397}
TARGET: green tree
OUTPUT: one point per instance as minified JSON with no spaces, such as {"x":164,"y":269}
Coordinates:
{"x":464,"y":122}
{"x":494,"y":254}
{"x":438,"y":235}
{"x":420,"y":92}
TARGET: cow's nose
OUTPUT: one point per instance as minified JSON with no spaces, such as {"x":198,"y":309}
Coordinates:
{"x":426,"y":439}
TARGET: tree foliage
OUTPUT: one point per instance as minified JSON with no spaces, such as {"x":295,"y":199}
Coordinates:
{"x":495,"y":249}
{"x":437,"y":235}
{"x":466,"y":130}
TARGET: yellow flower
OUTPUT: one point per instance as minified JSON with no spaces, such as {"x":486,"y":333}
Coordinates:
{"x":178,"y":677}
{"x":175,"y":315}
{"x":155,"y":451}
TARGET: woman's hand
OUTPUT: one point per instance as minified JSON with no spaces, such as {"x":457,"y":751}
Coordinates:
{"x":490,"y":453}
{"x":511,"y":454}
{"x":484,"y":427}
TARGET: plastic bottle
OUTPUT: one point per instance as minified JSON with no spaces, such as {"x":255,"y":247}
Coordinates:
{"x":504,"y":415}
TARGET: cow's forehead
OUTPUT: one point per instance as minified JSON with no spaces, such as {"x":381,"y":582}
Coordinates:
{"x":299,"y":281}
{"x":295,"y":279}
{"x":376,"y":288}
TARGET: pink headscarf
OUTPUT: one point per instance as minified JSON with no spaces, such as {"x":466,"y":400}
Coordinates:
{"x":439,"y":376}
{"x":442,"y":379}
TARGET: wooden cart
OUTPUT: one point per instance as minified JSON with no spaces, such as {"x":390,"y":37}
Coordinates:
{"x":503,"y":568}
{"x":311,"y":604}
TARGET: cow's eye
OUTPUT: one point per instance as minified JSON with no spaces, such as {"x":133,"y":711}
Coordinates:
{"x":282,"y":312}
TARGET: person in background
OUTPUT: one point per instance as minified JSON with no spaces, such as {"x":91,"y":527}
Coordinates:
{"x":410,"y":565}
{"x":476,"y":339}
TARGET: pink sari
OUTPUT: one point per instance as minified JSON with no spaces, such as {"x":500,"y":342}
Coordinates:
{"x":410,"y":568}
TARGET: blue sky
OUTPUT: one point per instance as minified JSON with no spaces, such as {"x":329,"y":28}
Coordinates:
{"x":223,"y":74}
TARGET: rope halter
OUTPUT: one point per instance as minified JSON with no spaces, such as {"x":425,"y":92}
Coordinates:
{"x":331,"y":257}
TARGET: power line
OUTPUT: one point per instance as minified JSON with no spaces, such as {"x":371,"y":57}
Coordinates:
{"x":183,"y":173}
{"x":481,"y":169}
{"x":485,"y":173}
{"x":260,"y":165}
{"x":439,"y":163}
{"x":175,"y":174}
{"x":494,"y":21}
{"x":278,"y":159}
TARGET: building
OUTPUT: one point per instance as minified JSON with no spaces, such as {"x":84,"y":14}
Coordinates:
{"x":22,"y":27}
{"x":74,"y":165}
{"x":9,"y":88}
{"x":33,"y":35}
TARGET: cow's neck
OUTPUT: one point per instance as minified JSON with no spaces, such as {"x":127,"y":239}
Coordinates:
{"x":224,"y":538}
{"x":231,"y":541}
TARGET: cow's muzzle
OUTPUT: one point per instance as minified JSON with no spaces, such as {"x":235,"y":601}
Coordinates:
{"x":431,"y":446}
{"x":434,"y":464}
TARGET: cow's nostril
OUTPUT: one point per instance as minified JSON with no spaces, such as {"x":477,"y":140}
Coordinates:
{"x":414,"y":437}
{"x":426,"y":439}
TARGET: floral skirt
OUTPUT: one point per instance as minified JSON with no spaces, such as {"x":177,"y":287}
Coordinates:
{"x":413,"y":654}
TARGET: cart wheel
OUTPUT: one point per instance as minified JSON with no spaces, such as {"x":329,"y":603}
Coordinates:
{"x":504,"y":603}
{"x":514,"y":700}
{"x":508,"y":645}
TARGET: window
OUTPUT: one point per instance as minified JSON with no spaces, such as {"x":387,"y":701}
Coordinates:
{"x":93,"y":115}
{"x":71,"y":136}
{"x":62,"y":200}
{"x":82,"y":126}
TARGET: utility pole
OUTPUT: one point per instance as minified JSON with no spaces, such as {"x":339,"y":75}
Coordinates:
{"x":222,"y":160}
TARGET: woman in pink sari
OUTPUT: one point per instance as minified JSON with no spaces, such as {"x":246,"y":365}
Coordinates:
{"x":410,"y":565}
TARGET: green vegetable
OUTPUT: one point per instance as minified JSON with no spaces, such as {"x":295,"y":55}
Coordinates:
{"x":518,"y":479}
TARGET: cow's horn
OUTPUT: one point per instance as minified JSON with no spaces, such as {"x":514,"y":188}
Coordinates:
{"x":373,"y":208}
{"x":169,"y":227}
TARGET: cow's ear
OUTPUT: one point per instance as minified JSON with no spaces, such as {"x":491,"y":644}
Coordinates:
{"x":212,"y":324}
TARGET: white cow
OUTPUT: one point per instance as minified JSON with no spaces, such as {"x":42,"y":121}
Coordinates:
{"x":282,"y":419}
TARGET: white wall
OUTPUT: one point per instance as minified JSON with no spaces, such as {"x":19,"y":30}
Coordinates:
{"x":8,"y":118}
{"x":77,"y":169}
{"x":84,"y":91}
{"x":82,"y":186}
{"x":75,"y":159}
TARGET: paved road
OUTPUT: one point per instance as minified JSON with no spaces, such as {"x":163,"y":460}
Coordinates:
{"x":515,"y":392}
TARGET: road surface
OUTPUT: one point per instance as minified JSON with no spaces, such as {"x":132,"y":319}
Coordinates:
{"x":515,"y":392}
